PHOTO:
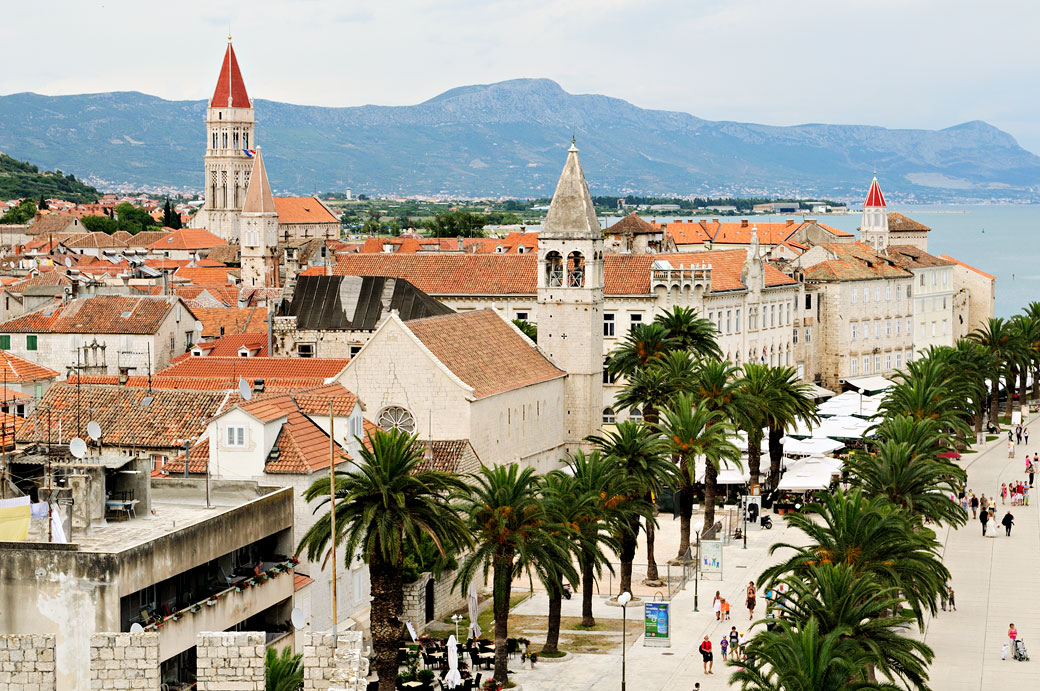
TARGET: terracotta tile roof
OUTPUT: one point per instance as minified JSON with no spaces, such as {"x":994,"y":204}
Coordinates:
{"x":409,"y":246}
{"x":911,"y":257}
{"x":315,"y":401}
{"x":269,"y":408}
{"x":630,"y":274}
{"x":256,"y":368}
{"x":230,"y":90}
{"x":94,"y":241}
{"x":52,"y":223}
{"x":450,"y":456}
{"x":853,"y":261}
{"x":228,"y":384}
{"x":187,"y":239}
{"x":198,"y":460}
{"x":225,"y":254}
{"x":874,"y":196}
{"x":15,"y":369}
{"x":968,"y":266}
{"x":125,"y":415}
{"x":484,"y":351}
{"x":234,"y":320}
{"x":632,"y":223}
{"x":690,"y":232}
{"x":109,"y":314}
{"x":303,"y":210}
{"x":209,"y":275}
{"x":301,"y":580}
{"x":898,"y":222}
{"x":232,"y":343}
{"x":147,"y":237}
{"x":9,"y":395}
{"x":302,"y":447}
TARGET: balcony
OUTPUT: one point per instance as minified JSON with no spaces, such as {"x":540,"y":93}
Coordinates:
{"x":223,"y":609}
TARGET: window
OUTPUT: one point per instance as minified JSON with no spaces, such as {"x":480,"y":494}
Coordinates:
{"x":30,"y":342}
{"x":357,"y":426}
{"x":608,"y":416}
{"x":396,"y":417}
{"x":943,"y":327}
{"x":877,"y":328}
{"x":801,"y":371}
{"x":635,"y":318}
{"x":908,"y":291}
{"x":794,"y":338}
{"x":38,"y":388}
{"x":855,"y":295}
{"x":923,"y":329}
{"x":909,"y":326}
{"x":173,"y":343}
{"x":854,"y":366}
{"x":729,"y":321}
{"x":354,"y":350}
{"x":935,"y":279}
{"x":305,"y":350}
{"x":522,"y":315}
{"x":944,"y":303}
{"x":5,"y":342}
{"x":899,"y":293}
{"x":899,"y":327}
{"x":877,"y":364}
{"x":752,"y":318}
{"x":608,"y":378}
{"x":866,"y":295}
{"x":888,"y":291}
{"x":922,"y":279}
{"x":909,"y":356}
{"x":933,"y":328}
{"x":877,"y":293}
{"x":635,"y":414}
{"x":808,"y":301}
{"x":899,"y":361}
{"x":772,"y":315}
{"x":236,"y":436}
{"x":945,"y":275}
{"x":866,"y":364}
{"x":608,"y":324}
{"x":808,"y":334}
{"x":855,"y":331}
{"x":737,"y":319}
{"x":888,"y":327}
{"x":888,"y":361}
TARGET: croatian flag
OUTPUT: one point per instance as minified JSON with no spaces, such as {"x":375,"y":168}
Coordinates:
{"x":249,"y":152}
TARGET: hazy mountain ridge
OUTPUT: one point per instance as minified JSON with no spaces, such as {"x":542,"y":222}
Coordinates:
{"x":508,"y":139}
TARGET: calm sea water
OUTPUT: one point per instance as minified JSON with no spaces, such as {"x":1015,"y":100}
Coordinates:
{"x":1000,"y":240}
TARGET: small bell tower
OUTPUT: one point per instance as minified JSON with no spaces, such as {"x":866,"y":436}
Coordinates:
{"x":258,"y":230}
{"x":873,"y":229}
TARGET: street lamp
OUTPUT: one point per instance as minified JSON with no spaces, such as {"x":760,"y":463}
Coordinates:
{"x":623,"y":600}
{"x":456,"y":618}
{"x":747,"y":495}
{"x":697,"y":569}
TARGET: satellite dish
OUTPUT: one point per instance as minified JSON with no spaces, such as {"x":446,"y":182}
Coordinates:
{"x":136,"y":628}
{"x":298,"y":619}
{"x":94,"y":430}
{"x":198,"y":326}
{"x":244,"y":390}
{"x":68,"y":262}
{"x":78,"y":447}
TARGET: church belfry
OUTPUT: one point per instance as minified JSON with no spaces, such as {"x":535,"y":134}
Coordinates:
{"x":230,"y":123}
{"x":873,"y":229}
{"x":258,"y":230}
{"x":570,"y":298}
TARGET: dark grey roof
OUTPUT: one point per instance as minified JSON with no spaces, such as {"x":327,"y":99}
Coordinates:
{"x":356,"y":303}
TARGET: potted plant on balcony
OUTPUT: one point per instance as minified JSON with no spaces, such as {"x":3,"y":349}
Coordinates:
{"x":213,"y":599}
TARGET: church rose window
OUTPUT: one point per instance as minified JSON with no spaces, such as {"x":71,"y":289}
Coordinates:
{"x":396,"y":417}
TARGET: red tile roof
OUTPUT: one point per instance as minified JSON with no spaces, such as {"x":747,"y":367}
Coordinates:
{"x":968,"y":266}
{"x":233,"y":320}
{"x":450,"y":456}
{"x":302,"y":447}
{"x":484,"y":351}
{"x":300,"y":580}
{"x":230,"y":90}
{"x":853,"y":261}
{"x":256,"y":368}
{"x":302,"y":210}
{"x":198,"y":460}
{"x":912,"y":257}
{"x":874,"y":196}
{"x":15,"y":369}
{"x":632,"y":223}
{"x":231,"y":344}
{"x":187,"y":239}
{"x":206,"y":275}
{"x":109,"y":314}
{"x":898,"y":222}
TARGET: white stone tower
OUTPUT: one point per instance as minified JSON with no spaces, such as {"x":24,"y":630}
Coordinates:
{"x":258,"y":230}
{"x":873,"y":229}
{"x":230,"y":123}
{"x":570,"y":298}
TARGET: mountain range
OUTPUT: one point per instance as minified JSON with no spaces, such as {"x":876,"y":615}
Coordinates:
{"x":509,"y":139}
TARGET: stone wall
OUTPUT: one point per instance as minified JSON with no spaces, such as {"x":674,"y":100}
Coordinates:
{"x":231,"y":661}
{"x":324,"y":665}
{"x":27,"y":662}
{"x":124,"y":661}
{"x":445,"y":600}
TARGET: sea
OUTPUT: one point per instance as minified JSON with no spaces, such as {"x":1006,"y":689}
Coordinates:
{"x":1001,"y":240}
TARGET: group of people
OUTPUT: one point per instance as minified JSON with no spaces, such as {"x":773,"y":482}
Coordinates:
{"x":1018,"y":435}
{"x":732,"y":644}
{"x":984,"y":510}
{"x":1017,"y":491}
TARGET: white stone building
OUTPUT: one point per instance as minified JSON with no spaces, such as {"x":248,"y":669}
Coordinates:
{"x":258,"y":234}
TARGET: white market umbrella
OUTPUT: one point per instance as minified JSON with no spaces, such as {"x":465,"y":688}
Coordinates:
{"x":453,"y":678}
{"x":473,"y":603}
{"x":811,"y":446}
{"x":817,"y":465}
{"x":729,"y":473}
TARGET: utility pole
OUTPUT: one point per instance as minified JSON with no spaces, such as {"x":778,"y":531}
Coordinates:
{"x":332,"y":517}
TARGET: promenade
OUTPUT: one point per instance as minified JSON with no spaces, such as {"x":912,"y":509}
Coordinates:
{"x":996,"y":582}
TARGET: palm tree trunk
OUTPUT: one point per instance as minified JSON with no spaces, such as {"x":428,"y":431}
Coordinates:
{"x":711,"y":475}
{"x":503,"y":567}
{"x":384,"y":621}
{"x":588,"y":581}
{"x":1009,"y":384}
{"x":994,"y":400}
{"x":685,"y":510}
{"x":651,"y":563}
{"x":552,"y":636}
{"x":776,"y":455}
{"x":1036,"y":381}
{"x":1023,"y":390}
{"x":629,"y":536}
{"x":754,"y":455}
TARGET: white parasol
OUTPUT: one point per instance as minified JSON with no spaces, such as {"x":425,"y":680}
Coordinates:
{"x":453,"y":678}
{"x":474,"y":611}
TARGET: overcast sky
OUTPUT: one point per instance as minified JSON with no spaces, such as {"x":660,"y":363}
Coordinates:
{"x":895,"y":63}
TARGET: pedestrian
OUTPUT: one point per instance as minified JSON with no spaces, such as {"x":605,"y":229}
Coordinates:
{"x":1031,"y":470}
{"x":1003,"y":492}
{"x":716,"y":606}
{"x":734,"y":640}
{"x":951,"y":598}
{"x":943,"y":595}
{"x":723,"y":647}
{"x":983,"y":503}
{"x":1004,"y":651}
{"x":1025,"y":435}
{"x":1012,"y":634}
{"x":964,"y":502}
{"x":1011,"y":449}
{"x":751,"y":593}
{"x":1025,"y":495}
{"x":709,"y":659}
{"x":743,"y":646}
{"x":1011,"y":434}
{"x":1007,"y":522}
{"x":974,"y":506}
{"x":725,"y":609}
{"x":1018,"y":434}
{"x":984,"y":518}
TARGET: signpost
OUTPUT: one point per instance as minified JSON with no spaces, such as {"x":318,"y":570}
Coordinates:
{"x":656,"y":633}
{"x":711,"y":559}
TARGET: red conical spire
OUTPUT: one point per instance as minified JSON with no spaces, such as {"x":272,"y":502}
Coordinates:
{"x":874,"y":196}
{"x":231,"y":90}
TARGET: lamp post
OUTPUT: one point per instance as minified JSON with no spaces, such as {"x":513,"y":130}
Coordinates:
{"x":747,"y":495}
{"x":456,"y":618}
{"x":697,"y":569}
{"x":623,"y":600}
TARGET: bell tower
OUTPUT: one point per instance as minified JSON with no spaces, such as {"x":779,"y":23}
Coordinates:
{"x":230,"y":121}
{"x":873,"y":229}
{"x":570,"y":298}
{"x":258,"y":230}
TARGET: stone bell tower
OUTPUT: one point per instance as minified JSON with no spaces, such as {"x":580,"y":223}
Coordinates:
{"x":570,"y":298}
{"x":873,"y":229}
{"x":258,"y":230}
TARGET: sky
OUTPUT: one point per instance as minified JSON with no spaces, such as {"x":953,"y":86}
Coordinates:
{"x":894,"y":63}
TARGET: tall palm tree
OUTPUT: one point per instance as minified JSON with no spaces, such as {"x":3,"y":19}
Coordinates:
{"x":1026,"y":337}
{"x":1032,"y":313}
{"x":997,"y":338}
{"x":874,"y":537}
{"x":690,"y":332}
{"x":383,"y":510}
{"x":692,"y":430}
{"x":602,"y":491}
{"x":968,"y":361}
{"x":790,"y":400}
{"x":756,"y":388}
{"x":929,"y":389}
{"x":511,"y":532}
{"x":639,"y":454}
{"x":921,"y":484}
{"x":641,"y":344}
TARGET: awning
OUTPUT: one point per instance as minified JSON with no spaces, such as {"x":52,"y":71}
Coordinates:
{"x":811,"y":446}
{"x":729,"y":474}
{"x":804,"y":480}
{"x":817,"y":392}
{"x":816,"y":465}
{"x":872,"y":384}
{"x":850,"y":403}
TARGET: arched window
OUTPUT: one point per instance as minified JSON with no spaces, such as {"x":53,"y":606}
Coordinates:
{"x":245,"y":140}
{"x":554,"y":270}
{"x":635,"y":414}
{"x":224,"y":139}
{"x":575,"y":270}
{"x":396,"y":417}
{"x":608,"y":416}
{"x":214,"y":140}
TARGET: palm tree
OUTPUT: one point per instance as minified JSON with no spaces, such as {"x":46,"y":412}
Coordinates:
{"x":529,"y":329}
{"x":1032,"y":313}
{"x":800,"y":657}
{"x":968,"y":361}
{"x":929,"y":389}
{"x":638,"y":452}
{"x":997,"y":338}
{"x":920,"y":484}
{"x":642,"y":343}
{"x":691,"y":333}
{"x":511,"y":531}
{"x":1026,"y":336}
{"x":692,"y":430}
{"x":756,"y":388}
{"x":285,"y":672}
{"x":383,"y":508}
{"x":875,"y":538}
{"x":790,"y":400}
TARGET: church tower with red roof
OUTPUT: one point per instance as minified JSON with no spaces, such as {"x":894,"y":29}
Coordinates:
{"x":230,"y":143}
{"x":873,"y":229}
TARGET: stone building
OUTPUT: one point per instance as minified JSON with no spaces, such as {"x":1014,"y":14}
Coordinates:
{"x":933,"y":295}
{"x":258,"y":234}
{"x":973,"y":298}
{"x":633,"y":235}
{"x":302,"y":218}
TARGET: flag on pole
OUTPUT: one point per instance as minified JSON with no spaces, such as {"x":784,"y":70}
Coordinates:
{"x":249,"y":152}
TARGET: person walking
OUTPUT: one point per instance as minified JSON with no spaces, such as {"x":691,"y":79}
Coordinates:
{"x":1025,"y":435}
{"x":983,"y":503}
{"x":951,"y":598}
{"x":1031,"y":469}
{"x":1018,"y":434}
{"x":750,"y":602}
{"x":974,"y":506}
{"x":716,"y":606}
{"x":706,"y":656}
{"x":984,"y":519}
{"x":1011,"y":449}
{"x":1003,"y":493}
{"x":1007,"y":522}
{"x":734,"y":640}
{"x":1012,"y":634}
{"x":723,"y":646}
